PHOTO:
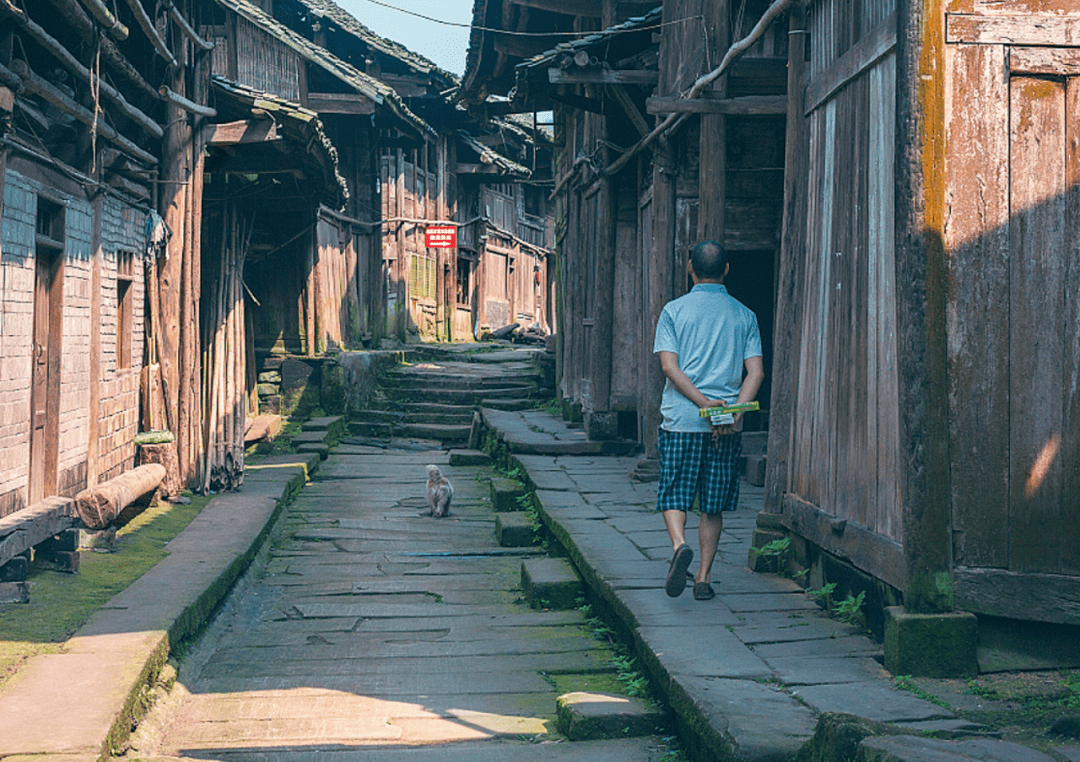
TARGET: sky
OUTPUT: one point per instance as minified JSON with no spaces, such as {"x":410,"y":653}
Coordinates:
{"x":443,"y":44}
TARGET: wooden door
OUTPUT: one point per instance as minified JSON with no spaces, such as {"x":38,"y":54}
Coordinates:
{"x":45,"y":378}
{"x":1013,"y":238}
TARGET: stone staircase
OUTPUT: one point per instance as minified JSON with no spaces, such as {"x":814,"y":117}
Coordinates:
{"x":436,"y":398}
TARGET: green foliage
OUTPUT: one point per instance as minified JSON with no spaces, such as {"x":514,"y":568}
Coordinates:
{"x":824,"y":595}
{"x":850,"y":610}
{"x":775,"y":552}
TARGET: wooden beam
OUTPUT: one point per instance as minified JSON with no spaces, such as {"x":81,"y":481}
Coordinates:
{"x":630,"y":108}
{"x":340,"y":103}
{"x":243,"y":131}
{"x":478,"y":169}
{"x":749,"y":105}
{"x":1026,"y":29}
{"x":862,"y":55}
{"x":187,"y":29}
{"x":63,"y":102}
{"x":147,"y":25}
{"x":1013,"y":595}
{"x":588,"y":8}
{"x":641,"y":77}
{"x":107,"y":19}
{"x":1053,"y":61}
{"x":525,"y":47}
{"x":866,"y":550}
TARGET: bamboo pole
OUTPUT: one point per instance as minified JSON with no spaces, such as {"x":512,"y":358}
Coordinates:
{"x":188,"y":105}
{"x":186,"y":28}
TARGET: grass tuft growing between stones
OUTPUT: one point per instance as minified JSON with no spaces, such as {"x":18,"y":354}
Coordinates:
{"x":61,"y":603}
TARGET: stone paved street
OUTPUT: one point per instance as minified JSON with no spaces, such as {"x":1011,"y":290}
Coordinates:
{"x":375,"y":627}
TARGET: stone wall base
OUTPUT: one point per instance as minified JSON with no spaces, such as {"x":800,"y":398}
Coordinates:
{"x":931,"y":645}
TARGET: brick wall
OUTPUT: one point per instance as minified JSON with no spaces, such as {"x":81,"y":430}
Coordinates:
{"x":121,"y":227}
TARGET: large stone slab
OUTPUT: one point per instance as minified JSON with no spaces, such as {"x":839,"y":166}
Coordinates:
{"x":919,"y":749}
{"x":872,"y":700}
{"x":712,"y":652}
{"x":587,"y":716}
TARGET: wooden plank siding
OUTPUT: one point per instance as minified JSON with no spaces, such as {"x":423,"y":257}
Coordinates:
{"x":843,"y":451}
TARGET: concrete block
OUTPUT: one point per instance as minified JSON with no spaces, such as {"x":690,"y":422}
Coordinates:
{"x":506,"y":494}
{"x":591,"y":716}
{"x":755,"y":470}
{"x":469,"y":458}
{"x":514,"y":530}
{"x":551,"y":583}
{"x":931,"y":645}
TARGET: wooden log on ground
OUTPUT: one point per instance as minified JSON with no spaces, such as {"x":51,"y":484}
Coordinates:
{"x":99,"y":506}
{"x":163,"y":454}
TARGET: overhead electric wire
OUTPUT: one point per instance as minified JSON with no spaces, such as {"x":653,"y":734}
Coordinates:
{"x":531,"y":34}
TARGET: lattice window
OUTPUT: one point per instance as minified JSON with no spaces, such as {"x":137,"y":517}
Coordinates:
{"x":422,"y":277}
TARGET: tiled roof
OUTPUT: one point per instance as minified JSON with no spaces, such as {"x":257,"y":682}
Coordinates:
{"x":638,"y":22}
{"x":298,"y":123}
{"x":350,"y":24}
{"x":488,"y":156}
{"x":363,"y":83}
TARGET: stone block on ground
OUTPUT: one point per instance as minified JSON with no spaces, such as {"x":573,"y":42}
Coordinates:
{"x":755,"y":470}
{"x":506,"y":494}
{"x":551,"y":583}
{"x":332,"y":425}
{"x":14,"y":592}
{"x":440,"y":431}
{"x":755,"y":559}
{"x":514,"y":530}
{"x":931,"y":645}
{"x":469,"y":458}
{"x":317,"y":447}
{"x":371,"y":429}
{"x":15,"y":570}
{"x":590,"y":716}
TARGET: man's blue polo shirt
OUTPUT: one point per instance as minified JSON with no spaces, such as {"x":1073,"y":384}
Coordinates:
{"x":712,"y":333}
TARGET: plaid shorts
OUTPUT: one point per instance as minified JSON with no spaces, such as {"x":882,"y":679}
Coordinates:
{"x":690,"y":464}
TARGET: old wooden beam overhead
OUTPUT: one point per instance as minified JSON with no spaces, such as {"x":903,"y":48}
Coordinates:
{"x":107,"y":19}
{"x":589,"y":8}
{"x":147,"y":25}
{"x":630,"y":108}
{"x":187,"y":29}
{"x":478,"y":169}
{"x":83,"y":26}
{"x":1014,"y":29}
{"x":52,"y":45}
{"x":65,"y":103}
{"x":188,"y":105}
{"x":242,"y":131}
{"x":749,"y":105}
{"x":524,"y":47}
{"x":340,"y":103}
{"x":643,"y":78}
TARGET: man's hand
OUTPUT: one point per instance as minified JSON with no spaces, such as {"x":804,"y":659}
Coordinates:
{"x":724,"y":429}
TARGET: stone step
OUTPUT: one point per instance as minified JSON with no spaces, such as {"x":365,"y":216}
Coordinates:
{"x":458,"y":396}
{"x":515,"y":530}
{"x":323,"y":450}
{"x":371,"y":429}
{"x":434,"y":407}
{"x":509,"y":405}
{"x":333,"y":425}
{"x":593,"y":716}
{"x":469,"y":458}
{"x":551,"y":583}
{"x":506,"y":494}
{"x":441,"y":432}
{"x":463,"y":418}
{"x":309,"y":437}
{"x":383,"y":416}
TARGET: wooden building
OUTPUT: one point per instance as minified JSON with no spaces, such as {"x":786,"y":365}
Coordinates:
{"x":91,"y":153}
{"x":925,"y":417}
{"x":641,"y":174}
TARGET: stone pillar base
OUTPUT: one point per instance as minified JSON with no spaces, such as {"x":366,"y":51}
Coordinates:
{"x":930,"y":645}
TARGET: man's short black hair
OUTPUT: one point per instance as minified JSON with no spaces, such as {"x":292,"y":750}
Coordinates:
{"x":709,"y":260}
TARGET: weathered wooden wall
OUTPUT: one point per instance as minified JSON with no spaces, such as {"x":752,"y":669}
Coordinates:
{"x":1013,"y":248}
{"x":843,"y":436}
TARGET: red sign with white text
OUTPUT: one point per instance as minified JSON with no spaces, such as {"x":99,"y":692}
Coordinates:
{"x":441,"y":237}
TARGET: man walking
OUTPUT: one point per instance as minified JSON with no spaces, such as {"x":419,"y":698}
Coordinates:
{"x":705,"y":340}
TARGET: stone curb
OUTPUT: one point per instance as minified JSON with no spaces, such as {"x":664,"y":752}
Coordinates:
{"x":110,"y":663}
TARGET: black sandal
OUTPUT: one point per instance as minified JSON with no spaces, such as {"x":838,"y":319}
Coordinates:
{"x":676,"y":576}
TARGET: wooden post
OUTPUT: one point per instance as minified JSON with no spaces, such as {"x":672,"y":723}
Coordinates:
{"x":712,"y":172}
{"x":920,"y":305}
{"x":93,"y":444}
{"x":789,"y":269}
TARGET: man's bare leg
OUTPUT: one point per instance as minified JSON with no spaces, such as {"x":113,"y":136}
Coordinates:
{"x":709,"y":527}
{"x":675,"y":521}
